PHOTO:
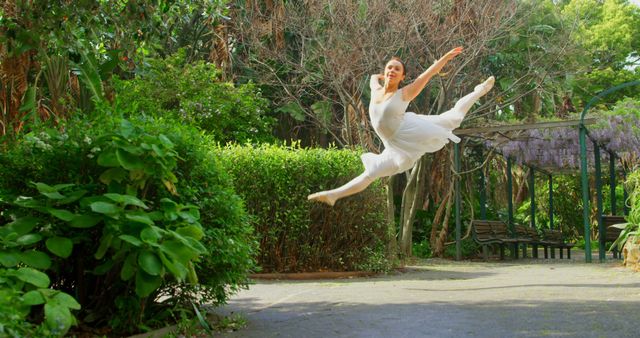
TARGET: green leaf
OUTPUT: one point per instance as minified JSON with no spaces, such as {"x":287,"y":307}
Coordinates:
{"x":139,"y":218}
{"x":29,"y":102}
{"x":103,"y":268}
{"x":108,"y":158}
{"x":113,"y":174}
{"x":36,"y":259}
{"x":150,"y":235}
{"x":29,"y":239}
{"x":126,"y":200}
{"x":34,"y":277}
{"x":176,"y":268}
{"x":53,"y":195}
{"x":129,"y":267}
{"x":165,"y":141}
{"x":178,"y":250}
{"x":58,"y":318}
{"x":60,"y":246}
{"x":126,"y":128}
{"x":66,"y":300}
{"x":105,"y":208}
{"x":146,"y":284}
{"x":64,"y":215}
{"x":44,"y":188}
{"x":72,"y":197}
{"x":90,"y":76}
{"x":9,"y":259}
{"x":128,"y":160}
{"x":33,"y":297}
{"x":203,"y":321}
{"x":105,"y":242}
{"x":294,"y":110}
{"x":130,"y":239}
{"x":194,"y":231}
{"x":23,"y":225}
{"x":192,"y":215}
{"x":150,"y":263}
{"x":85,"y":221}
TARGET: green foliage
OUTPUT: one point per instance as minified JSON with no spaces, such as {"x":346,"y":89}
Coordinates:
{"x":299,"y":235}
{"x":127,"y":225}
{"x":608,"y":32}
{"x":422,"y":249}
{"x":632,"y":227}
{"x":468,"y":248}
{"x":195,"y":94}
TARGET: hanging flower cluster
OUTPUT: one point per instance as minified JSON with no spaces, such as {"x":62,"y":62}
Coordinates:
{"x":617,"y":131}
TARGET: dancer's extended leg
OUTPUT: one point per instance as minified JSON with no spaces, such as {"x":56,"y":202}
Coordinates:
{"x":354,"y":186}
{"x":452,"y":118}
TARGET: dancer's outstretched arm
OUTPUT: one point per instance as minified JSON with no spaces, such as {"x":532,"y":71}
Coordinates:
{"x":410,"y":91}
{"x":374,"y":83}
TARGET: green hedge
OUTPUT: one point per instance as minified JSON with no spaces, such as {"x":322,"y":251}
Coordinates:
{"x":167,"y":223}
{"x":299,"y":235}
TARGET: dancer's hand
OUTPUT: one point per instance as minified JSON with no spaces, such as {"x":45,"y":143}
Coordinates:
{"x":452,"y":53}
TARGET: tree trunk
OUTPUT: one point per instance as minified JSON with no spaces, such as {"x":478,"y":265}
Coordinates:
{"x":392,"y":246}
{"x":411,"y":199}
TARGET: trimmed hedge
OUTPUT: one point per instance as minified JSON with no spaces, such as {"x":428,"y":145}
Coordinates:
{"x":298,"y":235}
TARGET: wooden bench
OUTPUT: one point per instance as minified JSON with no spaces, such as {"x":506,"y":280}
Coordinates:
{"x":527,"y":235}
{"x":489,"y":233}
{"x":612,"y":233}
{"x":554,"y":239}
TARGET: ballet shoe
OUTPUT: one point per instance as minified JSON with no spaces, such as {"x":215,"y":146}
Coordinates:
{"x":486,"y":86}
{"x":322,"y":197}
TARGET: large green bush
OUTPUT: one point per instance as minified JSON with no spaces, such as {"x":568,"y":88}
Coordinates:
{"x":299,"y":235}
{"x":195,"y":94}
{"x":632,"y":227}
{"x":118,"y":215}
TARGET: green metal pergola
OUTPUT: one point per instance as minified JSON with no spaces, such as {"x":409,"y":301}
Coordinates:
{"x":584,"y":178}
{"x":583,"y":134}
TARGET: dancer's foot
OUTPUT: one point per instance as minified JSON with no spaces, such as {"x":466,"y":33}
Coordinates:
{"x":486,"y":86}
{"x":323,"y":197}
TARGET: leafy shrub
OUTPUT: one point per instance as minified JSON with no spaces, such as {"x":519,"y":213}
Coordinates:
{"x":422,"y":249}
{"x":632,"y":227}
{"x":468,"y":248}
{"x":299,"y":235}
{"x":195,"y":94}
{"x":115,"y":221}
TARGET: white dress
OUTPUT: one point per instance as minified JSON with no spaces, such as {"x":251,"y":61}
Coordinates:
{"x":406,"y":136}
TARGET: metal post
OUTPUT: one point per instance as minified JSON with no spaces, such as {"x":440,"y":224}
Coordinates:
{"x":550,"y":202}
{"x":602,"y":233}
{"x":612,"y":181}
{"x":585,"y":193}
{"x":532,"y":196}
{"x":456,"y":154}
{"x":514,"y":252}
{"x":583,"y":162}
{"x":483,"y":195}
{"x":625,"y":194}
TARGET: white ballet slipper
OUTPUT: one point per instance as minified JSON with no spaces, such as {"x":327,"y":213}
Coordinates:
{"x":486,"y":86}
{"x":323,"y":197}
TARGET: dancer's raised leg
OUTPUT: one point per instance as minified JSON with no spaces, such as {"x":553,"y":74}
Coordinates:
{"x":451,"y":119}
{"x":354,"y":186}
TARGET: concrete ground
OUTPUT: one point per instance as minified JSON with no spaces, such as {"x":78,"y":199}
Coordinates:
{"x":441,"y":298}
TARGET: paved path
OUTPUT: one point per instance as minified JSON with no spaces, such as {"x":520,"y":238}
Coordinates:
{"x":438,"y":298}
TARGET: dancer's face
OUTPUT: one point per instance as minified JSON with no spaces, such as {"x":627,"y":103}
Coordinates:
{"x":394,"y":72}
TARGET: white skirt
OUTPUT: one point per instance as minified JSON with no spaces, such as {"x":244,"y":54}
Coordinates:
{"x":416,"y":135}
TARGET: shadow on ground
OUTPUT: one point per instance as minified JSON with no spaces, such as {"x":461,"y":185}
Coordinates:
{"x":442,"y":319}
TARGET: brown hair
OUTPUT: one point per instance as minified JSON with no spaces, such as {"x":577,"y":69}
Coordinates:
{"x":395,"y":58}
